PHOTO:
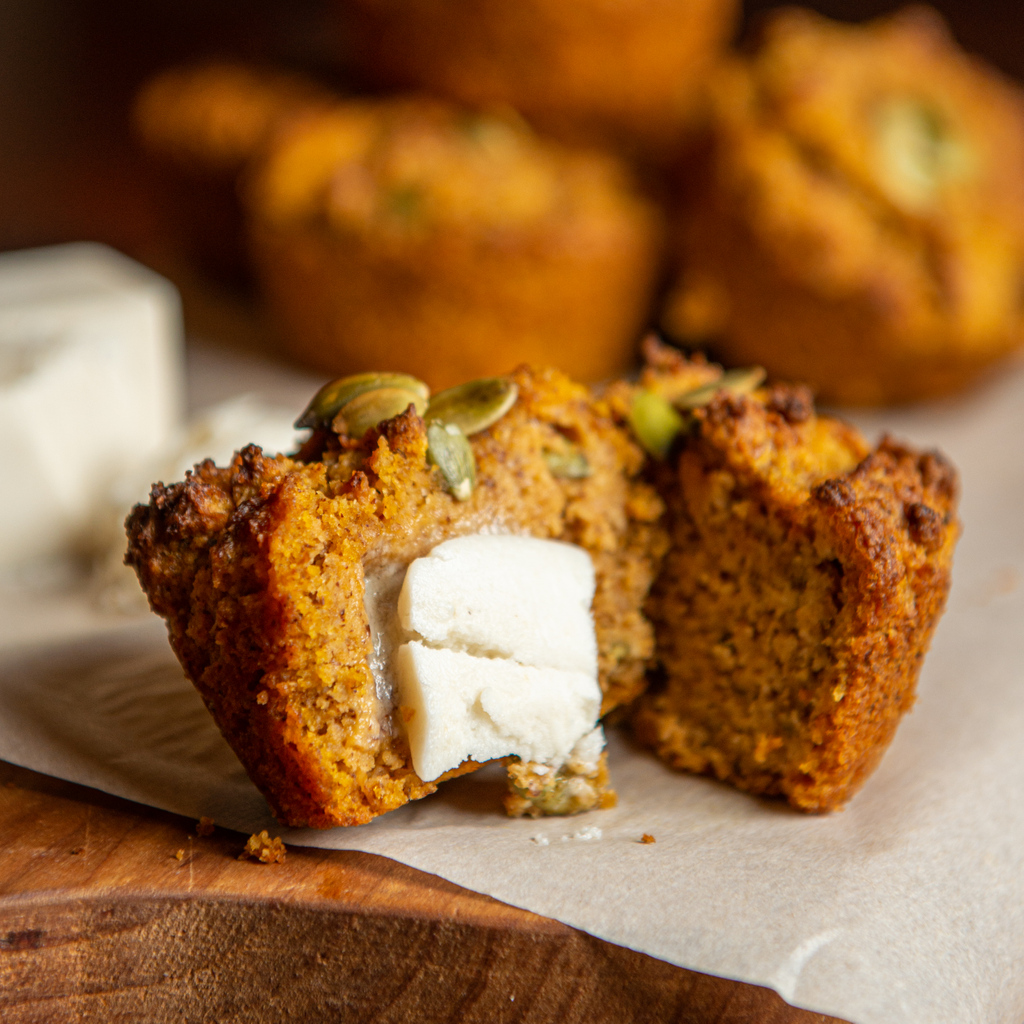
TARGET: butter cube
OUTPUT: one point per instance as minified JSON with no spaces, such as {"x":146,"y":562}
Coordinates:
{"x":500,"y":655}
{"x":91,"y":386}
{"x":501,"y":596}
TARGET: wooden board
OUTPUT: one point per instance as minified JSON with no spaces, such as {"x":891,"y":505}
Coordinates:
{"x":100,"y":921}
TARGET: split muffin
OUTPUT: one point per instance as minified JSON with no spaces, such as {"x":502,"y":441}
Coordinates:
{"x":268,"y":572}
{"x":630,"y":72}
{"x":803,"y":581}
{"x":860,"y":226}
{"x":410,"y":235}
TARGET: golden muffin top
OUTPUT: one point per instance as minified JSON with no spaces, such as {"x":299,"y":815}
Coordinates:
{"x":409,"y":166}
{"x":895,"y":106}
{"x":880,"y":156}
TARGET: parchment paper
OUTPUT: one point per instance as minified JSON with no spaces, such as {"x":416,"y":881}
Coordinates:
{"x":906,"y":908}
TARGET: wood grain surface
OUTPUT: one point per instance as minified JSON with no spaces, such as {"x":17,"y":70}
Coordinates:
{"x":100,"y":921}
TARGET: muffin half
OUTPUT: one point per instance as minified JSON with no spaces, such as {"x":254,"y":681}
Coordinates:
{"x":803,"y":581}
{"x":268,"y":572}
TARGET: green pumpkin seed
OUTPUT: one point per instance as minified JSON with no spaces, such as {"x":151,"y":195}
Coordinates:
{"x":474,"y":406}
{"x":328,"y":401}
{"x":737,"y":382}
{"x":655,"y":422}
{"x":918,"y":151}
{"x":567,"y":465}
{"x":372,"y":407}
{"x":449,"y":449}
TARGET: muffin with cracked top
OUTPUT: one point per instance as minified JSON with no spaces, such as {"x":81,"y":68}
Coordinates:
{"x":861,"y":222}
{"x":408,"y":234}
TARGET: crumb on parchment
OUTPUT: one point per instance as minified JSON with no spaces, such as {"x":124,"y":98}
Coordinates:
{"x":205,"y":826}
{"x":647,"y":838}
{"x":586,"y":835}
{"x":259,"y":846}
{"x":179,"y":855}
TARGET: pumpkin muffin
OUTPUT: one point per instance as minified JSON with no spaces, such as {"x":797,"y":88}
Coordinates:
{"x":860,"y":226}
{"x":265,"y":570}
{"x":631,"y":72}
{"x":214,"y":118}
{"x":804,"y":579}
{"x":409,"y":235}
{"x":202,"y":125}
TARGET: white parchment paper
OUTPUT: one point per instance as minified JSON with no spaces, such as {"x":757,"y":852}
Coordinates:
{"x":906,"y":908}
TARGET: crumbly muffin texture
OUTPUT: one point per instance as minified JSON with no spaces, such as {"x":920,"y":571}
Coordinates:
{"x":804,"y":578}
{"x":260,"y":570}
{"x":860,"y":225}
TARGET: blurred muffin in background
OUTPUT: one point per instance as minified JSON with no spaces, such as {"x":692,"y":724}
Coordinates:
{"x":202,"y":125}
{"x":624,"y":71}
{"x":860,"y":225}
{"x":409,"y":235}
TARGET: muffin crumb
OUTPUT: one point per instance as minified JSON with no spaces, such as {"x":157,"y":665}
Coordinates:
{"x":259,"y":846}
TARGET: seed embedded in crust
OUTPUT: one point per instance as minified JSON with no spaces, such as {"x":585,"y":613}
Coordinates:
{"x":917,"y":151}
{"x":474,"y":406}
{"x":372,"y":407}
{"x":736,"y":382}
{"x":571,"y":464}
{"x":655,"y":422}
{"x":449,"y":449}
{"x":329,"y":400}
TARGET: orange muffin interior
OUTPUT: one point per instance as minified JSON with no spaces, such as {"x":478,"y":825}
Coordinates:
{"x":261,"y":570}
{"x":803,"y":581}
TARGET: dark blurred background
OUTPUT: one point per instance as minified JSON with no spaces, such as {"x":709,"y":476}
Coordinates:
{"x":69,"y":68}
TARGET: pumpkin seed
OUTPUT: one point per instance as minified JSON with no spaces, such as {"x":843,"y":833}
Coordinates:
{"x":328,"y":401}
{"x":449,"y":449}
{"x":372,"y":407}
{"x":737,"y":382}
{"x":917,"y":151}
{"x":474,"y":406}
{"x":655,"y":422}
{"x":571,"y":464}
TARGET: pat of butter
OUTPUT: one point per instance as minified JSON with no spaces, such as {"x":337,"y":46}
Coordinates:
{"x":505,"y":597}
{"x":501,"y":655}
{"x":90,"y":387}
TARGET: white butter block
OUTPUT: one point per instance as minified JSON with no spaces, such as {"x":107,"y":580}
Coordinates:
{"x":91,"y":386}
{"x":501,"y":655}
{"x":467,"y":707}
{"x":505,"y":597}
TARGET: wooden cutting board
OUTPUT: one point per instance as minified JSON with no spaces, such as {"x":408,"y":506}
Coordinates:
{"x":111,"y":911}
